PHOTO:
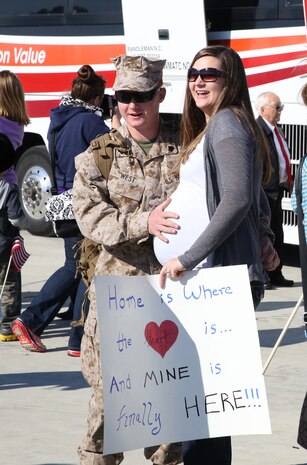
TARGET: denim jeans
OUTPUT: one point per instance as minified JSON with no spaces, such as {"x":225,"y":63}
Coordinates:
{"x":81,"y":304}
{"x":62,"y":284}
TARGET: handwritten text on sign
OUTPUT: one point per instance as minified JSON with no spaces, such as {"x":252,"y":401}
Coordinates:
{"x":182,"y":362}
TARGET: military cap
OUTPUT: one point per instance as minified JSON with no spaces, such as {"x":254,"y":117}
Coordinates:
{"x":7,"y":153}
{"x":137,"y":73}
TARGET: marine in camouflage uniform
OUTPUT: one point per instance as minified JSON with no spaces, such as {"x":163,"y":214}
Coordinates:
{"x":114,"y":212}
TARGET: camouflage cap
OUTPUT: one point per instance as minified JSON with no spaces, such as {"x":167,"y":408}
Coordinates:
{"x":137,"y":73}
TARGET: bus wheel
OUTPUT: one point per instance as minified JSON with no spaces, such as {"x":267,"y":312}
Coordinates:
{"x":34,"y":181}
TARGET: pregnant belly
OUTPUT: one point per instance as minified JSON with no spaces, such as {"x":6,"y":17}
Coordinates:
{"x":188,"y":202}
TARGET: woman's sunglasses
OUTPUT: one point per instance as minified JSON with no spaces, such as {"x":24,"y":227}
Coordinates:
{"x":206,"y":74}
{"x":124,"y":96}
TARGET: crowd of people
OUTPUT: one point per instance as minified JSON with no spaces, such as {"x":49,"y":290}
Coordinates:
{"x":73,"y":124}
{"x":235,"y":167}
{"x":77,"y":120}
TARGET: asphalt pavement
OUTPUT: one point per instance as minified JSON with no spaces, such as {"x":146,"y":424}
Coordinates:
{"x":44,"y":397}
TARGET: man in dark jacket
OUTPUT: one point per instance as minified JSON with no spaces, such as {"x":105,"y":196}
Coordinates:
{"x":269,"y":109}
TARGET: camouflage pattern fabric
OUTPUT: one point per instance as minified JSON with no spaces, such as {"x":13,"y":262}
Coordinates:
{"x":137,"y":73}
{"x":114,"y":213}
{"x":11,"y":297}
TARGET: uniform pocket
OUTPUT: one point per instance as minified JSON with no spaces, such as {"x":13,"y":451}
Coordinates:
{"x":126,"y":185}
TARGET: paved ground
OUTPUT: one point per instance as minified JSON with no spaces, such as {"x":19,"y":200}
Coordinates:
{"x":44,"y":398}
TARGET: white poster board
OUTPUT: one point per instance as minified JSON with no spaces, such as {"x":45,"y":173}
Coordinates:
{"x":182,"y":362}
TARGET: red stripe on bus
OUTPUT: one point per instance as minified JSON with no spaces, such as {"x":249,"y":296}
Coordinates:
{"x":277,"y":75}
{"x":41,"y":108}
{"x":251,"y":62}
{"x":56,"y":82}
{"x":21,"y":54}
{"x":255,"y":43}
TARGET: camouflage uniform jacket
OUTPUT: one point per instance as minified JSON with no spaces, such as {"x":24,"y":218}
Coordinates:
{"x":115,"y":212}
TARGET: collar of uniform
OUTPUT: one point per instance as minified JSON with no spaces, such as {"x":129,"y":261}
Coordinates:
{"x":165,"y":144}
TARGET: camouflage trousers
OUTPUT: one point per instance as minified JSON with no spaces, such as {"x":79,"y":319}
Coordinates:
{"x":11,"y":296}
{"x":90,"y":451}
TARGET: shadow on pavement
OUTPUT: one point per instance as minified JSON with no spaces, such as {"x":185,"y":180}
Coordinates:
{"x":268,"y":337}
{"x":66,"y":380}
{"x":268,"y":305}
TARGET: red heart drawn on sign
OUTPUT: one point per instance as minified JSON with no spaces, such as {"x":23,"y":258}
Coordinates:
{"x":161,"y":338}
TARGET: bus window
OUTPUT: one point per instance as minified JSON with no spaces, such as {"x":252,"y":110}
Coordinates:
{"x":290,"y":9}
{"x":32,"y":12}
{"x":93,"y":12}
{"x":253,"y":14}
{"x":65,"y":17}
{"x":32,"y":7}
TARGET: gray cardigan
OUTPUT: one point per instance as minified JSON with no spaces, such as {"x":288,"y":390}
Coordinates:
{"x":233,"y":177}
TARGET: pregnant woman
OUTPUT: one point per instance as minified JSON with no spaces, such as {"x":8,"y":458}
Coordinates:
{"x":218,"y":198}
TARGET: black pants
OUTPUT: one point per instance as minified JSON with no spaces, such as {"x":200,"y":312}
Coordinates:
{"x":302,"y":427}
{"x":277,"y":228}
{"x":213,"y":451}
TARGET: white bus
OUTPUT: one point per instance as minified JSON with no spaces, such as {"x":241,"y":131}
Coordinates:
{"x":46,"y":41}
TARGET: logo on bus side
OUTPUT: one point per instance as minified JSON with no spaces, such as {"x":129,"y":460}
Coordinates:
{"x":23,"y":56}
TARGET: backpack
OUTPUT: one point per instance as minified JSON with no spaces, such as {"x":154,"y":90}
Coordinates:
{"x":102,"y":150}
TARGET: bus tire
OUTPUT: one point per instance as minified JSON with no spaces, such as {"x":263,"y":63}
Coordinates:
{"x":34,"y":181}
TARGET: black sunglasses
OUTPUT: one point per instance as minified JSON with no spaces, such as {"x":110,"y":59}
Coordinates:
{"x":206,"y":74}
{"x":124,"y":96}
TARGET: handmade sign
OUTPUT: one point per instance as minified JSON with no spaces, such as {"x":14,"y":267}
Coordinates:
{"x":182,"y":362}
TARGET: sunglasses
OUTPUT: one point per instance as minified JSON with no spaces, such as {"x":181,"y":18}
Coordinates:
{"x":124,"y":96}
{"x":206,"y":74}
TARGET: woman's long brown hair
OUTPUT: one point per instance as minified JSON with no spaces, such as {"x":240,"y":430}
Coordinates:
{"x":12,"y":98}
{"x":234,"y":96}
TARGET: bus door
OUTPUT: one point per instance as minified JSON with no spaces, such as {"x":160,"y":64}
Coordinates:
{"x":172,"y":30}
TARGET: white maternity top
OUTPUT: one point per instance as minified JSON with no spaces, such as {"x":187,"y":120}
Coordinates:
{"x":189,"y":202}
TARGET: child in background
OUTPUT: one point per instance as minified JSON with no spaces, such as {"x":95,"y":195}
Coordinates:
{"x":13,"y":114}
{"x":13,"y":119}
{"x":12,"y":219}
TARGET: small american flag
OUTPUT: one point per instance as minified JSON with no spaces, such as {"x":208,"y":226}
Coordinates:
{"x":19,"y":254}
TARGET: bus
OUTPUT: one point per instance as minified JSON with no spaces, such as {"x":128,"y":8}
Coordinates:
{"x":45,"y":42}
